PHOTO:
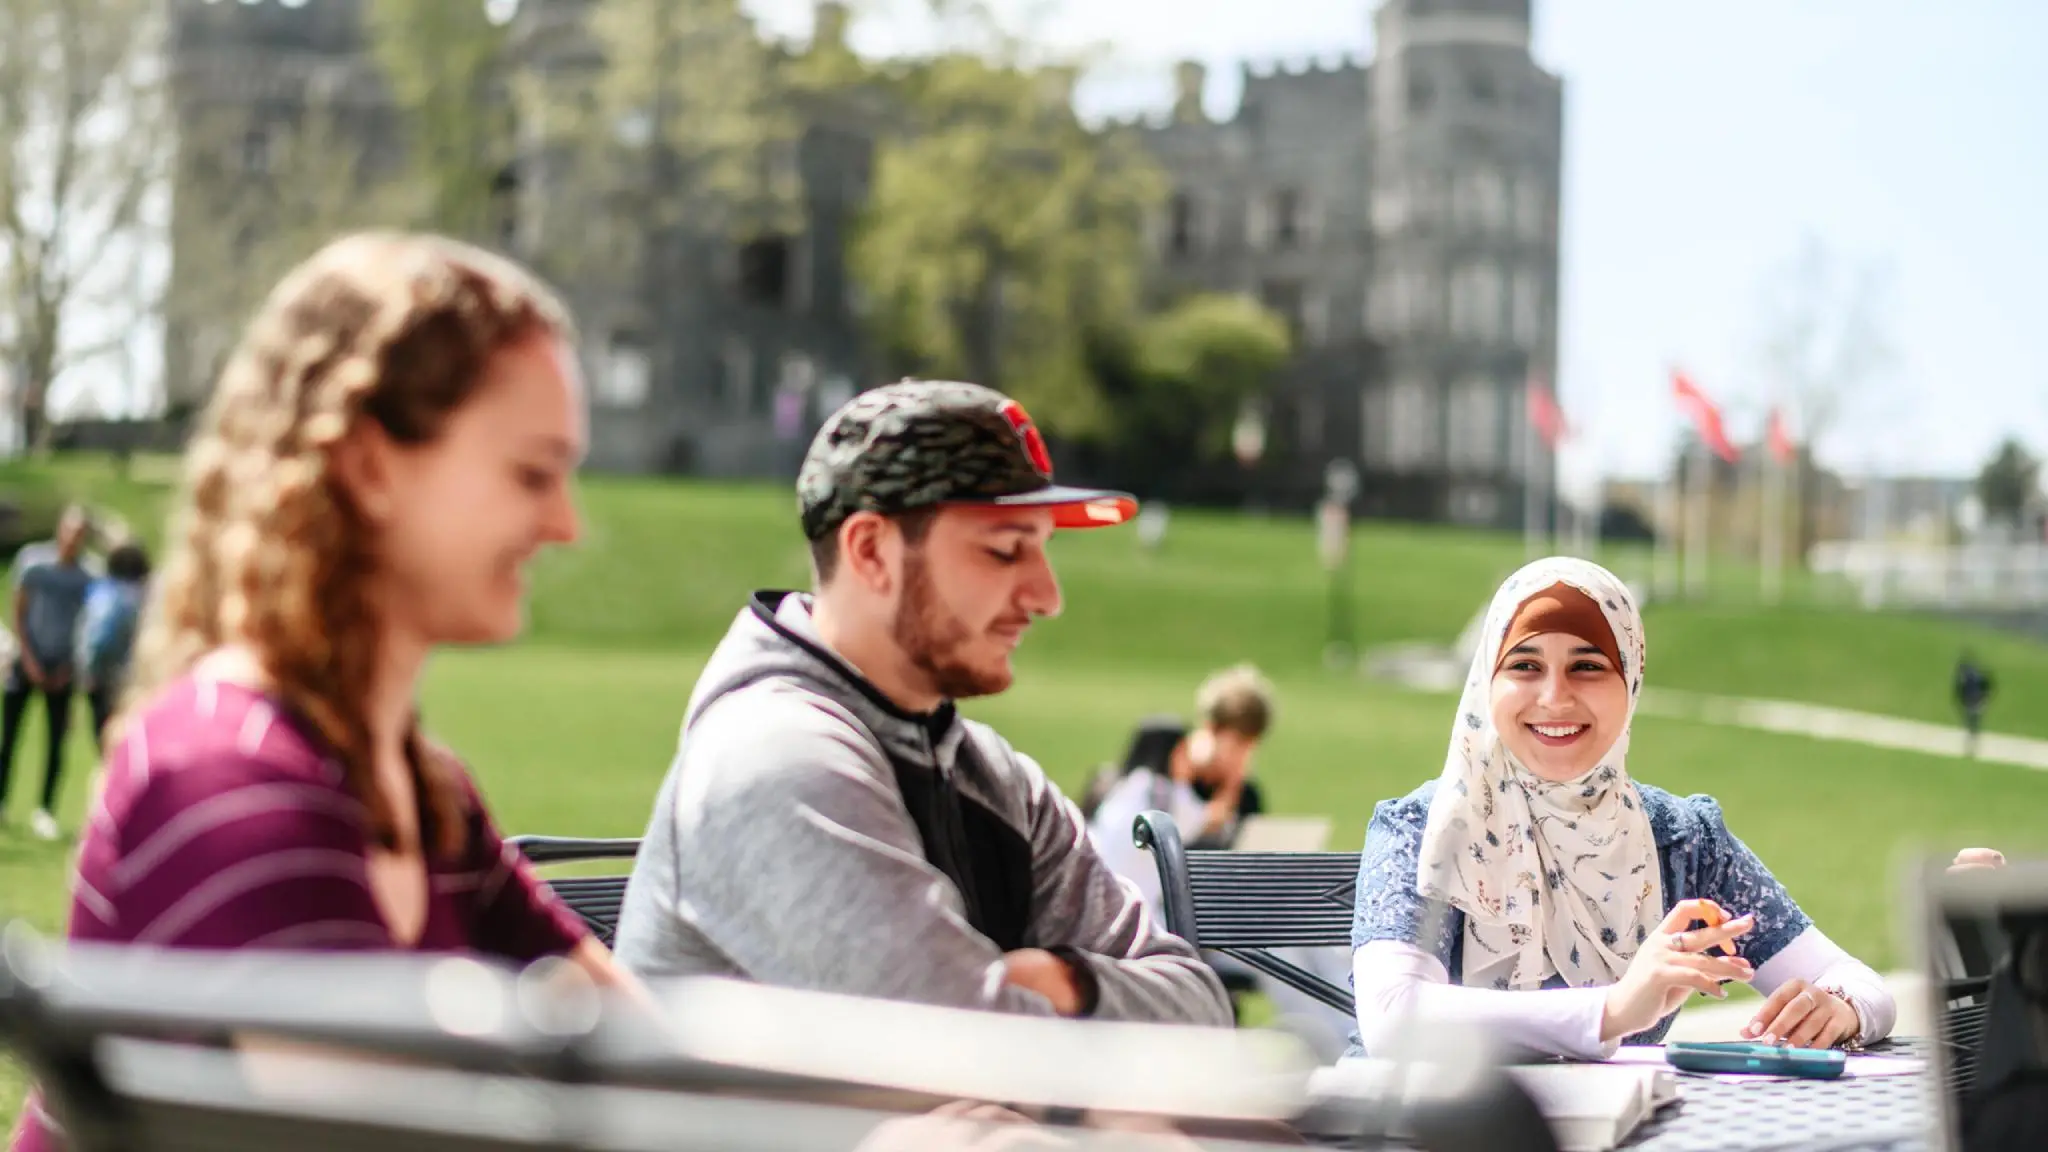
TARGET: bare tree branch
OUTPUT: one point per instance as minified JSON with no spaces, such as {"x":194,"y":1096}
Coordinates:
{"x":1826,"y":349}
{"x":81,"y":148}
{"x":241,"y":230}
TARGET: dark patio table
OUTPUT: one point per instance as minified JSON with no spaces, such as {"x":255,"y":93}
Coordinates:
{"x":1760,"y":1114}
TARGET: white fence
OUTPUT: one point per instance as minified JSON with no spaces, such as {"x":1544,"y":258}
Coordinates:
{"x":1993,"y":574}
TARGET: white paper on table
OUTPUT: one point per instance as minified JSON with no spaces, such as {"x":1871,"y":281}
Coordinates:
{"x":1858,"y":1066}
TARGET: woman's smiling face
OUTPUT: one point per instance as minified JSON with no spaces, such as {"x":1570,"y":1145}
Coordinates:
{"x":1559,"y":704}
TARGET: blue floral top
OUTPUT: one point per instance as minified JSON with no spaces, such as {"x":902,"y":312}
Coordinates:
{"x":1698,"y":858}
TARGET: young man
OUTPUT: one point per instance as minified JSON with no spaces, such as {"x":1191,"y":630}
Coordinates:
{"x":1201,"y":781}
{"x":830,"y":821}
{"x":50,"y":582}
{"x":106,"y":631}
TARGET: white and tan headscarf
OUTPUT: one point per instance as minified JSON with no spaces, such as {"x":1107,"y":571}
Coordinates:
{"x":1552,"y":878}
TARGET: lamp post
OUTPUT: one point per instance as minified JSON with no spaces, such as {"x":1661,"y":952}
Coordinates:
{"x":1333,"y":538}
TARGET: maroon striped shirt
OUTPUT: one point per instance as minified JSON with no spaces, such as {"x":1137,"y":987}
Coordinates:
{"x":223,"y":823}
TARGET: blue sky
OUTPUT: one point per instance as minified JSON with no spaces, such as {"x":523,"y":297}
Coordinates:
{"x":1704,"y":143}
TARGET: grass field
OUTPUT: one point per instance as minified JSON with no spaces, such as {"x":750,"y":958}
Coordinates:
{"x":663,"y":564}
{"x":571,"y":730}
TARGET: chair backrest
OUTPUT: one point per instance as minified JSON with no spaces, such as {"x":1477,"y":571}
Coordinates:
{"x":1961,"y":1030}
{"x":595,"y":898}
{"x":1245,"y":904}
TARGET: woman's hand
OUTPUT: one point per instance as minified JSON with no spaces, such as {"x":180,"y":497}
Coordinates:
{"x":1673,"y":964}
{"x":1803,"y":1016}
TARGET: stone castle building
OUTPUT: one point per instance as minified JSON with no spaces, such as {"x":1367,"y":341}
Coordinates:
{"x":1401,"y":212}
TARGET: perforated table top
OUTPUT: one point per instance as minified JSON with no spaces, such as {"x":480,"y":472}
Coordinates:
{"x":1755,"y":1114}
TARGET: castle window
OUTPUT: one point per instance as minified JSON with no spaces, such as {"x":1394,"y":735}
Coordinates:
{"x":764,"y":270}
{"x":1181,"y":225}
{"x":1289,"y":223}
{"x":1420,"y":95}
{"x":1526,"y":309}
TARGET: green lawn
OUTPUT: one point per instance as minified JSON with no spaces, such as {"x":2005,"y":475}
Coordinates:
{"x":571,"y":731}
{"x":663,"y":564}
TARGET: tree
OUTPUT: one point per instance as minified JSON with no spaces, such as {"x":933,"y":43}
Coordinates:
{"x":1826,"y":343}
{"x":668,"y":115}
{"x":1200,"y":363}
{"x":2009,"y":485}
{"x":82,"y":147}
{"x":255,"y":199}
{"x":444,"y":60}
{"x":1001,"y":234}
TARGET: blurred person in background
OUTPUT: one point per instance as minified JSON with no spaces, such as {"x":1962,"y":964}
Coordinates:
{"x":1539,"y":891}
{"x":106,"y":631}
{"x":51,"y":578}
{"x":392,"y":442}
{"x":1973,"y":691}
{"x":1200,"y":777}
{"x":830,"y":821}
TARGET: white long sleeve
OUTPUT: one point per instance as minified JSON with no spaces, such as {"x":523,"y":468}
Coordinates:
{"x":1821,"y":962}
{"x":1393,"y":980}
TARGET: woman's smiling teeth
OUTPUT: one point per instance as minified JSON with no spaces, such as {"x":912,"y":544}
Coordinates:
{"x":1557,"y":733}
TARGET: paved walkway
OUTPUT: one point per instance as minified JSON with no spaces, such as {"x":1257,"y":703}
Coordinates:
{"x":1429,"y":668}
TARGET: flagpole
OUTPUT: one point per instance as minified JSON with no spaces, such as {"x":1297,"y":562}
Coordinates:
{"x":1674,"y":523}
{"x":1550,"y":499}
{"x":1771,"y":545}
{"x":1530,"y":542}
{"x":1696,"y":539}
{"x":1586,"y":519}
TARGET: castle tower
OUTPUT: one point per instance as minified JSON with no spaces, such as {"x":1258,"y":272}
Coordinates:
{"x":1466,"y":142}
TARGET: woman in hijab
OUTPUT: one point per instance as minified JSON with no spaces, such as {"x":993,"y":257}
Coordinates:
{"x":1538,"y":892}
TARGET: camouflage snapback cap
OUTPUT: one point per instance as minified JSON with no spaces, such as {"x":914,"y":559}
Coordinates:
{"x":922,"y":443}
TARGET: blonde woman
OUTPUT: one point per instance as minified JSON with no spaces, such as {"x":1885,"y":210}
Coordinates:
{"x":392,"y":442}
{"x":1538,"y":891}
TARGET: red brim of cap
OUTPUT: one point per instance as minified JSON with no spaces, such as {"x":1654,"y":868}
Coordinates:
{"x":1076,"y":507}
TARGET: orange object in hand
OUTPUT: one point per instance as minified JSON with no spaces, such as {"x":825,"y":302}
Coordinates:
{"x":1715,"y":917}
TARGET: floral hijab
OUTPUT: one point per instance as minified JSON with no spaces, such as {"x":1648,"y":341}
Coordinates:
{"x":1552,"y":878}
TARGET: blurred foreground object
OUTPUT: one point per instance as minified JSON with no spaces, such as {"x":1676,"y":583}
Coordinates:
{"x":132,"y":1048}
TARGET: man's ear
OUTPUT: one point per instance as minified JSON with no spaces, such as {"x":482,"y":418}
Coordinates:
{"x":364,"y":464}
{"x":869,"y":550}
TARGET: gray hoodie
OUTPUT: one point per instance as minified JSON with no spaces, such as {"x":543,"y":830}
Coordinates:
{"x":813,"y":835}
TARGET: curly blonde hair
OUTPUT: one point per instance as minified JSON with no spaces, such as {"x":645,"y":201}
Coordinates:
{"x":265,"y":548}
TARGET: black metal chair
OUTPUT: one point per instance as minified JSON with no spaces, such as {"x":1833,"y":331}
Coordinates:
{"x":595,"y":898}
{"x":1245,"y":904}
{"x":1965,"y":1001}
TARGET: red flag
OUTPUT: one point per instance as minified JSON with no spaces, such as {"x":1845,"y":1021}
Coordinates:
{"x":1778,"y":438}
{"x":1704,"y":415}
{"x":1545,"y":415}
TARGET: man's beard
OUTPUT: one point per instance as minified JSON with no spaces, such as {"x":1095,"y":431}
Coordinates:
{"x":934,"y":638}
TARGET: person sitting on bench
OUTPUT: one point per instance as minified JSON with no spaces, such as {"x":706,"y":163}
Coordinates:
{"x":1200,"y":777}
